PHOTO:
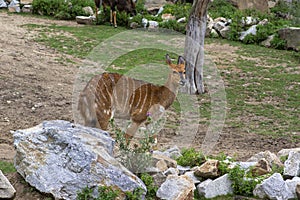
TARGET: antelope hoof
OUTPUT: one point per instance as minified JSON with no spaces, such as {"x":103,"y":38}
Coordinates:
{"x":116,"y":26}
{"x":128,"y":138}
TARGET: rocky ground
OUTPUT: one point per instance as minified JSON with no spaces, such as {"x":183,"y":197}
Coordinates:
{"x":35,"y":85}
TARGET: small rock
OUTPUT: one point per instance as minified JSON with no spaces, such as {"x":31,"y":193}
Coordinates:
{"x":243,"y":165}
{"x":176,"y":188}
{"x":182,"y":169}
{"x":209,"y":169}
{"x":85,"y":20}
{"x":173,"y":152}
{"x":182,"y":20}
{"x":218,"y":26}
{"x":7,"y":191}
{"x":88,"y":10}
{"x":273,"y":187}
{"x":171,"y":171}
{"x":261,"y":168}
{"x":153,"y":24}
{"x":271,"y":158}
{"x":263,"y":22}
{"x":252,"y":30}
{"x":285,"y":152}
{"x":225,"y":32}
{"x":167,"y":17}
{"x":298,"y":191}
{"x":134,"y":25}
{"x":292,"y":165}
{"x":159,"y":178}
{"x":27,"y":9}
{"x":267,"y":42}
{"x":169,"y":161}
{"x":3,"y":4}
{"x":193,"y":177}
{"x":292,"y":185}
{"x":213,"y":188}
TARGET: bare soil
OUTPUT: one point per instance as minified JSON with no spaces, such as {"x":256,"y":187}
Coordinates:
{"x":36,"y":86}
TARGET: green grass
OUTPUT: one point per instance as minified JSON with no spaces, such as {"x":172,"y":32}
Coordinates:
{"x":7,"y":167}
{"x":262,"y":94}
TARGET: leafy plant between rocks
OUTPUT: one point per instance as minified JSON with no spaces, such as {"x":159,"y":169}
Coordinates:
{"x":151,"y":187}
{"x":104,"y":193}
{"x":191,"y":157}
{"x":243,"y":182}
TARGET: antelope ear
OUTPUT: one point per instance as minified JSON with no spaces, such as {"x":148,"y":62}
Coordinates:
{"x":180,"y":60}
{"x":168,"y":59}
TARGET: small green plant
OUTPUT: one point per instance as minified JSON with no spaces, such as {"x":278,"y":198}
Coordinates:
{"x":151,"y":187}
{"x":85,"y":194}
{"x":7,"y":167}
{"x":243,"y":182}
{"x":104,"y":193}
{"x":191,"y":157}
{"x":137,"y":194}
{"x":278,"y":43}
{"x":221,"y":8}
{"x":138,"y":157}
{"x":61,"y":9}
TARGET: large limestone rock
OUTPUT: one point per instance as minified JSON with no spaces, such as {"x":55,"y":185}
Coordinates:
{"x":273,"y":187}
{"x":292,"y":36}
{"x":177,"y":188}
{"x":213,"y":188}
{"x":7,"y":191}
{"x":261,"y":5}
{"x":61,"y":158}
{"x":292,"y":164}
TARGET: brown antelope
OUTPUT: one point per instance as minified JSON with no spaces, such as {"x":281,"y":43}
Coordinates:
{"x":110,"y":94}
{"x":122,"y":5}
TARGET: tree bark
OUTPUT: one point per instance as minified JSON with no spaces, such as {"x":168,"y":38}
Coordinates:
{"x":194,"y":47}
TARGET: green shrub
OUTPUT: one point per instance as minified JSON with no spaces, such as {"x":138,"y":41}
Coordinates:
{"x":243,"y":183}
{"x":151,"y":187}
{"x":191,"y":157}
{"x":173,"y":25}
{"x":178,"y":10}
{"x":278,"y":43}
{"x":104,"y":193}
{"x":7,"y":167}
{"x":221,"y":8}
{"x":61,"y":9}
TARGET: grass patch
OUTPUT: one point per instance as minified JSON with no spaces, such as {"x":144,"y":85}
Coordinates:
{"x":7,"y":167}
{"x":262,"y":85}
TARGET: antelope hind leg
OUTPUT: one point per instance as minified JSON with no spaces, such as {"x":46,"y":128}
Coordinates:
{"x":115,"y":18}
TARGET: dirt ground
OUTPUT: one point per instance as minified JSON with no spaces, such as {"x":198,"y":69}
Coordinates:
{"x":36,"y":86}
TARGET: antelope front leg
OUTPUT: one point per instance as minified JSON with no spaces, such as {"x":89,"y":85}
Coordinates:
{"x":111,"y":17}
{"x":131,"y":130}
{"x":115,"y":18}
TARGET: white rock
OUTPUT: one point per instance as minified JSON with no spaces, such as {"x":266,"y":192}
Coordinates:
{"x":252,"y":30}
{"x":193,"y":177}
{"x":153,"y":24}
{"x":181,"y":20}
{"x":285,"y":152}
{"x":292,"y":184}
{"x":3,"y":4}
{"x":176,"y":187}
{"x":292,"y":165}
{"x":243,"y":165}
{"x":213,"y":188}
{"x":7,"y":191}
{"x":271,"y":158}
{"x":182,"y":169}
{"x":171,"y":171}
{"x":273,"y":187}
{"x":62,"y":158}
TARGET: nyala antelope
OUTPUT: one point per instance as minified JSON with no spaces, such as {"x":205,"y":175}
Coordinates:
{"x":110,"y":95}
{"x":121,"y":5}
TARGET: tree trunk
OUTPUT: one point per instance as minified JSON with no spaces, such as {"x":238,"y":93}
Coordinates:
{"x":194,"y":47}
